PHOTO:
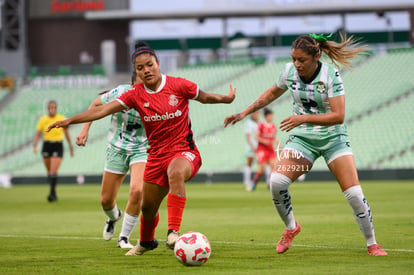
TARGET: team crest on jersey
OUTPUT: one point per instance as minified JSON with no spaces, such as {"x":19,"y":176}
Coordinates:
{"x":320,"y":87}
{"x":173,"y":100}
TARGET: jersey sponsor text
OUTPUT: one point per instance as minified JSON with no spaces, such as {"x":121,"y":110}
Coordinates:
{"x":165,"y":116}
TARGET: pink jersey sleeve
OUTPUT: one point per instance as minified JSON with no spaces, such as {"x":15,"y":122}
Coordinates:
{"x":189,"y":89}
{"x":127,"y":99}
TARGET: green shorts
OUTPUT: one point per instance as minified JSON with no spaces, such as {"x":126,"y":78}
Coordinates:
{"x":119,"y":162}
{"x":329,"y":146}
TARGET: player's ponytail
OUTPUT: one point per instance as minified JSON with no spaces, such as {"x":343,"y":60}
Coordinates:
{"x":140,"y":48}
{"x":141,"y":44}
{"x":339,"y":53}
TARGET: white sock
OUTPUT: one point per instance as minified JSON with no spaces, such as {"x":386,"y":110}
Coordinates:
{"x":128,"y":225}
{"x":362,"y":212}
{"x":113,"y":214}
{"x":247,"y":174}
{"x":268,"y":172}
{"x":279,"y":189}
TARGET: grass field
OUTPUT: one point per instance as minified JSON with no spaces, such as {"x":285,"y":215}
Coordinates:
{"x":243,"y":228}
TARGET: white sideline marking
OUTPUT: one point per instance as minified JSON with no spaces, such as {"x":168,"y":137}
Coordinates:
{"x":220,"y":242}
{"x":49,"y":237}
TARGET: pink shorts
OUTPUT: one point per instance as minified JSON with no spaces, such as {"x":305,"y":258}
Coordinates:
{"x":157,"y":166}
{"x":264,"y":156}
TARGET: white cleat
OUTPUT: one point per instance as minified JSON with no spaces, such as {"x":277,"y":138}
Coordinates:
{"x":142,"y":247}
{"x":109,"y":228}
{"x":172,"y":237}
{"x":124,"y":243}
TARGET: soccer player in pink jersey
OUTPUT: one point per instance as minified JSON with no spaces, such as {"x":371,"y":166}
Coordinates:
{"x":162,"y":102}
{"x":265,"y":154}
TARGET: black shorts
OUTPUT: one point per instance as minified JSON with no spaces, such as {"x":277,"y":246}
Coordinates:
{"x":52,"y":149}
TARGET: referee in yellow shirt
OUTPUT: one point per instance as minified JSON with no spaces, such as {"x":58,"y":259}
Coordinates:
{"x":52,"y":149}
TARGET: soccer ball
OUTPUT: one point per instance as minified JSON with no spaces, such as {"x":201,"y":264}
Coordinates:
{"x":192,"y":248}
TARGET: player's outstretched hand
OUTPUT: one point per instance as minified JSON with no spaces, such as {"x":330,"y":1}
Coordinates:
{"x":233,"y":119}
{"x":82,"y":138}
{"x":231,"y":95}
{"x":58,"y":124}
{"x":291,"y":122}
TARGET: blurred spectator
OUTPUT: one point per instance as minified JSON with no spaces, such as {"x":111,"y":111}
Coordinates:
{"x":85,"y":58}
{"x":6,"y":81}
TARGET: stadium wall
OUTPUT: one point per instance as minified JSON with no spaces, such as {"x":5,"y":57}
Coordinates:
{"x":60,"y":42}
{"x":58,"y":32}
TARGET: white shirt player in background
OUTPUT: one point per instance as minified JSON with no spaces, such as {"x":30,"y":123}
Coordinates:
{"x":250,"y":128}
{"x":127,"y":146}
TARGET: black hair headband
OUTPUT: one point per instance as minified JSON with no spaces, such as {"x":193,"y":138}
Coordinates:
{"x":140,"y":51}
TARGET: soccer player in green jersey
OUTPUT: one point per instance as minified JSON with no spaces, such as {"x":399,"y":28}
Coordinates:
{"x":317,"y":129}
{"x":127,"y":146}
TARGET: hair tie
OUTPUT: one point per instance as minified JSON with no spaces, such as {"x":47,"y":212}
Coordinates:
{"x":321,"y":37}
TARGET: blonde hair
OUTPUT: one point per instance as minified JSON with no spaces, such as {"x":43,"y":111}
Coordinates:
{"x":340,"y":53}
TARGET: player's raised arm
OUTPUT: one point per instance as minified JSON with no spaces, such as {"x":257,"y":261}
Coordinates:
{"x":90,"y":115}
{"x":266,"y":98}
{"x":82,"y":138}
{"x":209,"y":98}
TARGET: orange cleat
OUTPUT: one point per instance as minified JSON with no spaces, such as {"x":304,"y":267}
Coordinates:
{"x":376,"y":250}
{"x":287,"y":237}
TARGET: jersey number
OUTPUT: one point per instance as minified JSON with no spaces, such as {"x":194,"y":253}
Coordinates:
{"x":130,"y":127}
{"x":308,"y":103}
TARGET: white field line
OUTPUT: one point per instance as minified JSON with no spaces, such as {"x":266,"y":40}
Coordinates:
{"x":218,"y":242}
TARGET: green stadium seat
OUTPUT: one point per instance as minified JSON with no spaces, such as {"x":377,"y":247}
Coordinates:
{"x":64,"y":70}
{"x":98,"y":70}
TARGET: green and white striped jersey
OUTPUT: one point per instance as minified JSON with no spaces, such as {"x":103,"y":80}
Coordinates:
{"x":313,"y":98}
{"x":126,"y":134}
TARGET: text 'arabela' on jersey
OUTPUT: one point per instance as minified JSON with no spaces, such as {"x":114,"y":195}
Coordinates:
{"x":165,"y":116}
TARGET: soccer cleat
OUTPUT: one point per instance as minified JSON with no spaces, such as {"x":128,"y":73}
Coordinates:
{"x":109,"y":228}
{"x":124,"y":243}
{"x":248,"y":188}
{"x":142,"y":247}
{"x":254,"y":185}
{"x":172,"y":237}
{"x":287,"y":237}
{"x":52,"y":198}
{"x":376,"y":250}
